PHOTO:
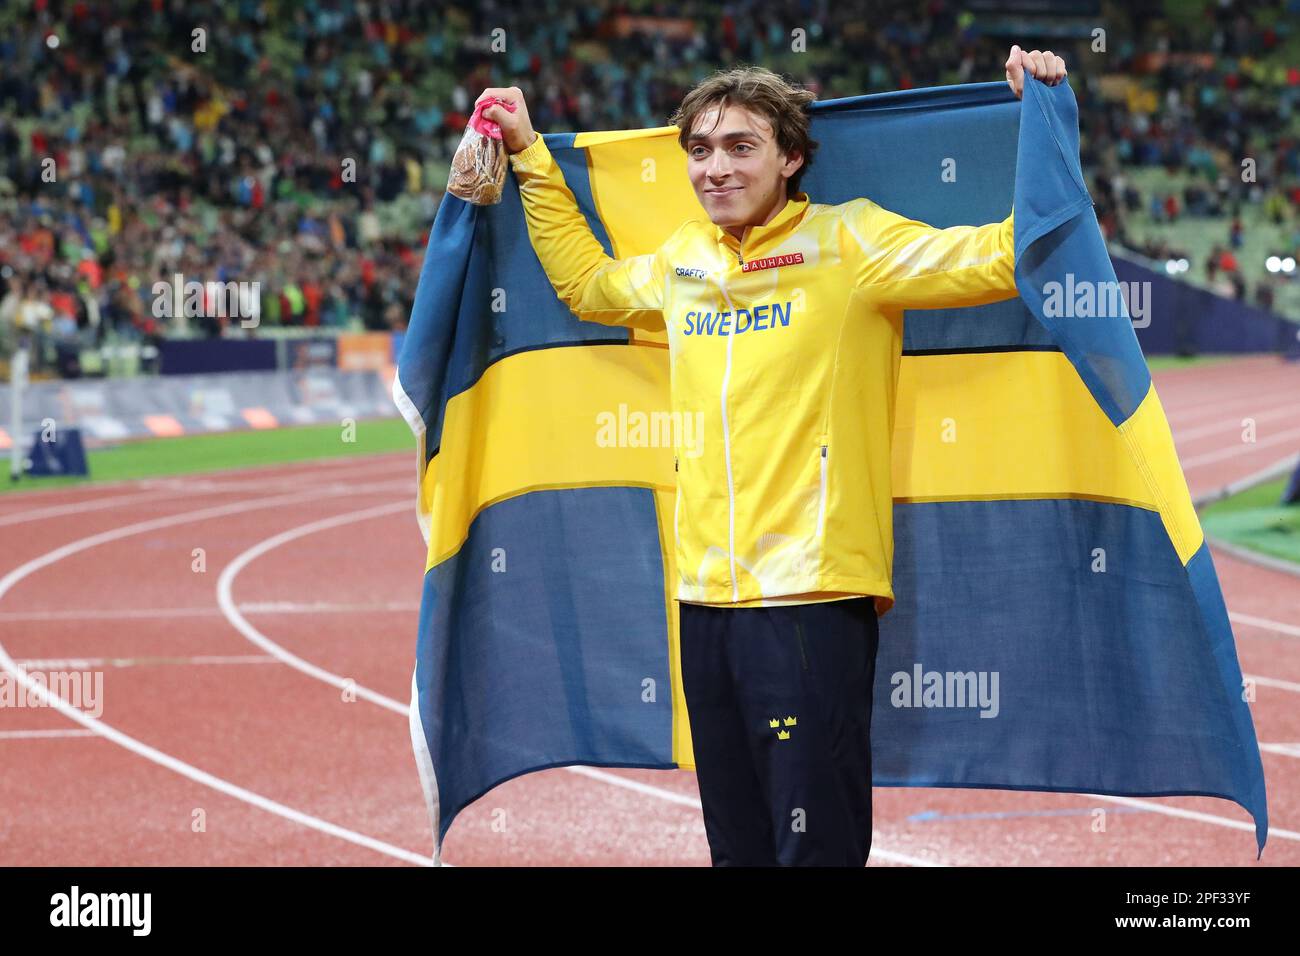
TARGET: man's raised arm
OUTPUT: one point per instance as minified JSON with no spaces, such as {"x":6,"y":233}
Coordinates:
{"x":908,"y":264}
{"x":595,"y":287}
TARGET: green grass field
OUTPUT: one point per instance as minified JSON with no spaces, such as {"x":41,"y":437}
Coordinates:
{"x":156,"y":457}
{"x":1253,"y":519}
{"x":1159,"y":363}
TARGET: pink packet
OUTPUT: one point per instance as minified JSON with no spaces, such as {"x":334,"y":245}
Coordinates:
{"x":478,"y":170}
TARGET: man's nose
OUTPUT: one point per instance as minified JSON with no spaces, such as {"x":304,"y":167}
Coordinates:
{"x":719,"y":165}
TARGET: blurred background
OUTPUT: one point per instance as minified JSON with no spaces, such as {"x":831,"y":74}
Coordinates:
{"x":299,"y":152}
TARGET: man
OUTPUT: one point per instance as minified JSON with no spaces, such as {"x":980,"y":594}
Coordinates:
{"x":784,"y":320}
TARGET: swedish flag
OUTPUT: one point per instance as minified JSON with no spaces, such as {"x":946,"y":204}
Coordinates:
{"x":1057,"y":549}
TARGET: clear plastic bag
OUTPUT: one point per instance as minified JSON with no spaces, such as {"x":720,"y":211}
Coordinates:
{"x":478,"y":170}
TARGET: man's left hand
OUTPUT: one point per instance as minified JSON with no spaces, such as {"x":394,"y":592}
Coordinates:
{"x":1041,"y":64}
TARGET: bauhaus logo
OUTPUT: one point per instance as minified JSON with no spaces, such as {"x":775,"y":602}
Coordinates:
{"x":772,"y":262}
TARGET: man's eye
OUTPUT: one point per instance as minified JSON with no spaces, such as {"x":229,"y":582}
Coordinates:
{"x":744,"y":146}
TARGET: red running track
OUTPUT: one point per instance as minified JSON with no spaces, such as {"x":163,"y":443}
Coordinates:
{"x":253,"y":711}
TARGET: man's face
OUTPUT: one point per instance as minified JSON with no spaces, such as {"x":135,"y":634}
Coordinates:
{"x":737,"y":171}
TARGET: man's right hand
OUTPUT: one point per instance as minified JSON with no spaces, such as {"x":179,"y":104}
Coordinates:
{"x":516,"y":128}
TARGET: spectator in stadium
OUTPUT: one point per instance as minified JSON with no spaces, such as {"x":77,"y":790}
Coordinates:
{"x":332,"y":124}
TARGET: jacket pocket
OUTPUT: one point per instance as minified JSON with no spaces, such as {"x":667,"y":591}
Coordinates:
{"x":677,"y":503}
{"x":821,"y":489}
{"x":803,"y":653}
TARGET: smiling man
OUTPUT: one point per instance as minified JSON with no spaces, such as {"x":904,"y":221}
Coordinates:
{"x":785,"y":325}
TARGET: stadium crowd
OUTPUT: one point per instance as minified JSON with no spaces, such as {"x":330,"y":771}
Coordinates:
{"x":305,"y":145}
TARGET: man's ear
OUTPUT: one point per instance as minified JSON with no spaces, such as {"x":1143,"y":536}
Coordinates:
{"x":793,"y":161}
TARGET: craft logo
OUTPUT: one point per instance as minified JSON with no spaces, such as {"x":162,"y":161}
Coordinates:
{"x":686,"y":273}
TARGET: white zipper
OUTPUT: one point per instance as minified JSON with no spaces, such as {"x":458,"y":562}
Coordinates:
{"x":726,"y":448}
{"x":821,"y":499}
{"x":677,"y":504}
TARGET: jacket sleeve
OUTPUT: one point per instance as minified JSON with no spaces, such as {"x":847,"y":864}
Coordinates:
{"x":910,"y":265}
{"x":595,"y":287}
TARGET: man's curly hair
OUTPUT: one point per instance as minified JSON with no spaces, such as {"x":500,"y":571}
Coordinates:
{"x":765,"y":93}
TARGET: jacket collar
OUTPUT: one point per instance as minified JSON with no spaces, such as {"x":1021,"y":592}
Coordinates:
{"x":790,"y":213}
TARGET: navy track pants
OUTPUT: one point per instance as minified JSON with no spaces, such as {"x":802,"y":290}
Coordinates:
{"x":779,"y":700}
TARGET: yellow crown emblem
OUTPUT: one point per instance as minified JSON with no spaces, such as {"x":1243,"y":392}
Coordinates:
{"x":783,"y":735}
{"x":774,"y":722}
{"x":790,"y":721}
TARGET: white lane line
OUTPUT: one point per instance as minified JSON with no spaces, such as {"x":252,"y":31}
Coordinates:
{"x":1239,"y":449}
{"x":1279,"y":468}
{"x":44,"y":734}
{"x":671,"y":796}
{"x":1213,"y":818}
{"x":1286,"y":750}
{"x":85,"y":663}
{"x":255,"y":607}
{"x":239,"y":481}
{"x":1289,"y":630}
{"x":1257,"y":558}
{"x":166,"y":489}
{"x":906,"y":859}
{"x":241,"y":624}
{"x":325,"y":607}
{"x":78,"y":507}
{"x":142,"y":749}
{"x":1238,"y":408}
{"x":109,"y":614}
{"x":1232,"y":425}
{"x":1260,"y":389}
{"x":636,"y":786}
{"x":1273,"y":682}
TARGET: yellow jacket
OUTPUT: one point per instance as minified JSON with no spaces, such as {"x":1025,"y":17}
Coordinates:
{"x":785,"y":348}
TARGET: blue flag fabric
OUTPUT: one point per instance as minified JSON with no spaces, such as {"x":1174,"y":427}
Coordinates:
{"x":1059,"y":624}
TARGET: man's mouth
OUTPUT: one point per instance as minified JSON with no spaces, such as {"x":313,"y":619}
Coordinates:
{"x":725,"y":191}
